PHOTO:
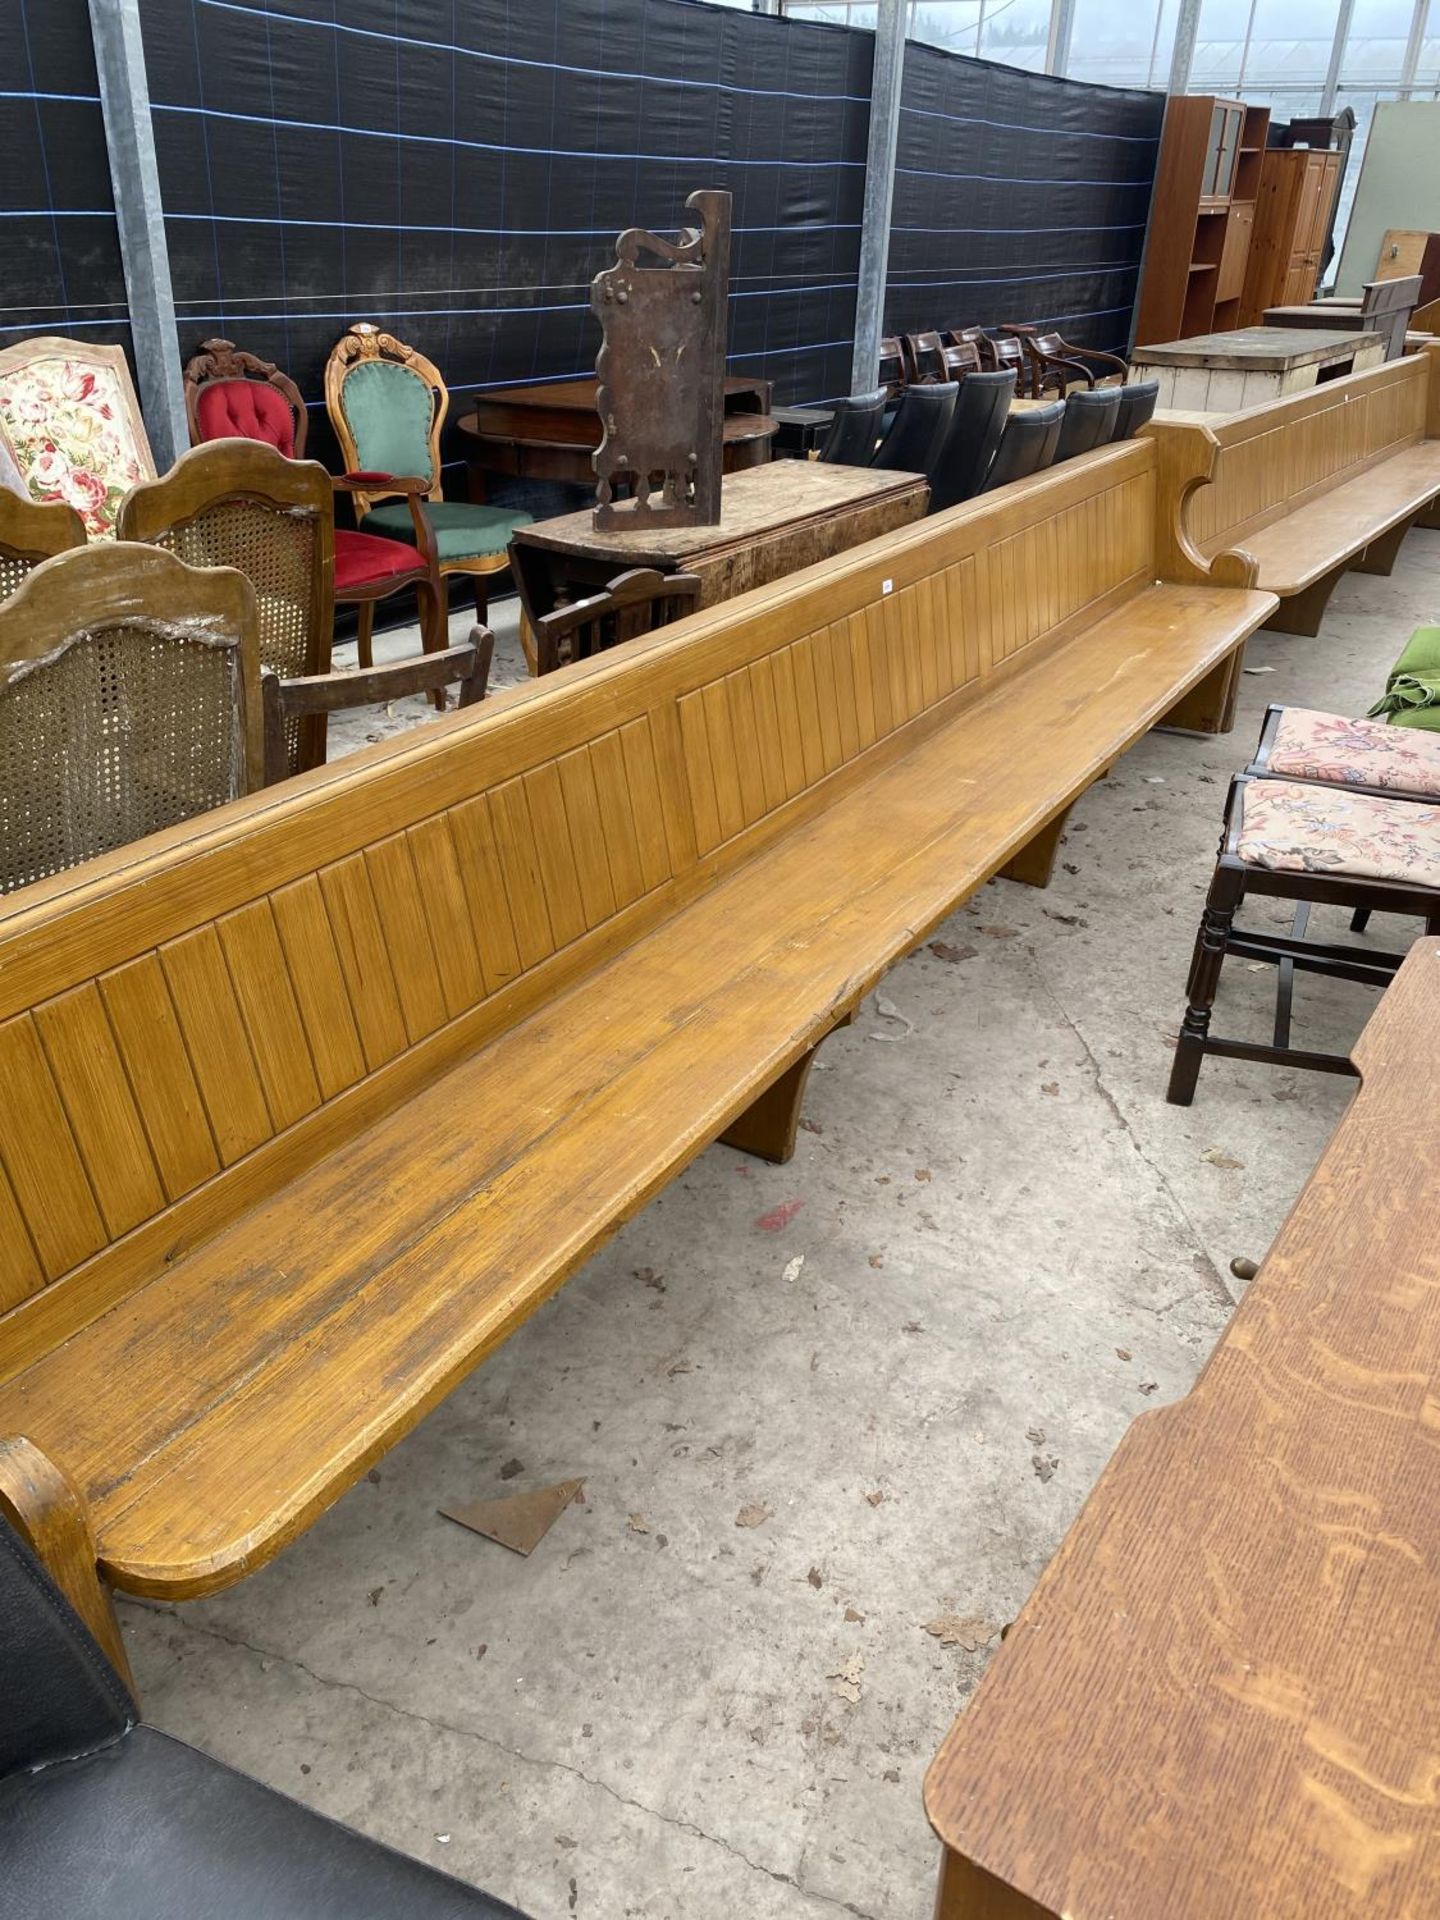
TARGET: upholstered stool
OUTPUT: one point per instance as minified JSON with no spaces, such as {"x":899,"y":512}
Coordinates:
{"x":1297,"y":743}
{"x":1296,"y":840}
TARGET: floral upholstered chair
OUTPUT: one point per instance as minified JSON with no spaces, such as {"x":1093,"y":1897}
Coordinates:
{"x":71,"y":426}
{"x":387,"y":404}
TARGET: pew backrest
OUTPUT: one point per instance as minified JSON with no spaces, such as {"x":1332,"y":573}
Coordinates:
{"x":189,"y":1022}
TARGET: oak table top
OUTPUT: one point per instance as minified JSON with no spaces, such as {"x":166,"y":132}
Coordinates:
{"x":1257,"y":349}
{"x":1220,"y":1700}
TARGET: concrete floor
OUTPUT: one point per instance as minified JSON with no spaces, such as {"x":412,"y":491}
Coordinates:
{"x":818,"y":1408}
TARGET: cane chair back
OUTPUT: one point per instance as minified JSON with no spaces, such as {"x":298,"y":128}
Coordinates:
{"x":633,"y":604}
{"x":239,"y":503}
{"x":71,"y":428}
{"x":129,"y":700}
{"x":230,"y":394}
{"x":30,"y":533}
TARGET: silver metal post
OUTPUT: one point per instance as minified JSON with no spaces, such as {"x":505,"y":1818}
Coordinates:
{"x":1187,"y":26}
{"x":140,"y":216}
{"x":1062,"y":26}
{"x":1337,"y":56}
{"x":885,"y":82}
{"x":1413,"y":48}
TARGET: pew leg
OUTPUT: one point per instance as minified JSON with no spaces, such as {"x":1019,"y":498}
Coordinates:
{"x":768,"y":1126}
{"x":1431,"y":515}
{"x":40,"y":1501}
{"x":1209,"y":706}
{"x":1380,"y":556}
{"x":1303,"y":612}
{"x":1033,"y":865}
{"x":967,"y":1892}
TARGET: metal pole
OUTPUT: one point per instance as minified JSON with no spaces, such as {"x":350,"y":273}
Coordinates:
{"x":140,"y":216}
{"x":1062,"y":26}
{"x":1187,"y":26}
{"x":1337,"y":56}
{"x":1413,"y":48}
{"x":885,"y":80}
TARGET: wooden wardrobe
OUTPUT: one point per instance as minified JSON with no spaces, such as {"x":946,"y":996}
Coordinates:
{"x":1298,"y":186}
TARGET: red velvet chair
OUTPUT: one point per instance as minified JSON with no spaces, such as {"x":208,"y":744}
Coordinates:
{"x":230,"y":394}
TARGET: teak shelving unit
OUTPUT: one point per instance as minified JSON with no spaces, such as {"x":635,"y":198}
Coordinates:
{"x":1202,"y":218}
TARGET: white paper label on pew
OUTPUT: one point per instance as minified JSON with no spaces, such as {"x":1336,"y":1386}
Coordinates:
{"x":887,"y":586}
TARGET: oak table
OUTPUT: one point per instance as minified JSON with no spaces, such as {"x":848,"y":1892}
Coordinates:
{"x":774,"y":519}
{"x":1219,"y":1703}
{"x":1225,"y":372}
{"x":550,"y":431}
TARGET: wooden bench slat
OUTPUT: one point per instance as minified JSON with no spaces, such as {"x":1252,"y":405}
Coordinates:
{"x":311,"y":1350}
{"x":1296,"y":550}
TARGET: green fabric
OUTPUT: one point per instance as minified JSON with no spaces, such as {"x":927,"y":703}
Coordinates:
{"x":461,"y":532}
{"x":389,"y":410}
{"x":1412,"y":692}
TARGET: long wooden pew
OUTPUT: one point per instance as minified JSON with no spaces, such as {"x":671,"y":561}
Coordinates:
{"x":1220,"y":1700}
{"x":312,"y":1102}
{"x":1305,"y":487}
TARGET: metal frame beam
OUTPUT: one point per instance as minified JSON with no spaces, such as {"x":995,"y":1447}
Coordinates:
{"x":1414,"y":47}
{"x":1062,"y":28}
{"x":1187,"y":28}
{"x":1337,"y":56}
{"x":885,"y":81}
{"x":140,"y":217}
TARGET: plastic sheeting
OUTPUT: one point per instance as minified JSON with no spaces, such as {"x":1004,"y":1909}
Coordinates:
{"x":1019,"y":197}
{"x":457,"y":171}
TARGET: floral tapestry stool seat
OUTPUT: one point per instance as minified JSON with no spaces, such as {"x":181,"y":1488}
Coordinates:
{"x":1294,"y":839}
{"x":1297,"y":743}
{"x":71,"y":428}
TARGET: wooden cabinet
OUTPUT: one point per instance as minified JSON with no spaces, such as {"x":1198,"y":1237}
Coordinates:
{"x":1297,"y":193}
{"x":1202,"y":217}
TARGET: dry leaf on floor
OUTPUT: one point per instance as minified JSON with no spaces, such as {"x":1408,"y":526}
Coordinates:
{"x":1218,"y":1157}
{"x":943,"y":950}
{"x":1044,"y":1465}
{"x":755,"y":1515}
{"x":969,"y":1631}
{"x":875,"y":1498}
{"x":845,"y":1680}
{"x":520,"y":1522}
{"x":639,"y":1524}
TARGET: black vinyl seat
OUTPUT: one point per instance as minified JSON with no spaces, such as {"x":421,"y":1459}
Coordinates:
{"x":104,"y":1819}
{"x":855,"y":428}
{"x":1089,"y":421}
{"x":974,"y":435}
{"x":917,"y":433}
{"x":1137,"y":406}
{"x":1027,"y":445}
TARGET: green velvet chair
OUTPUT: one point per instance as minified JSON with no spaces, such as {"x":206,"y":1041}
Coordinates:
{"x":387,"y":404}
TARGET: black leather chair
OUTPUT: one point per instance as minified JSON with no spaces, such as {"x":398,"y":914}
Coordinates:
{"x":1027,"y":445}
{"x":104,"y":1819}
{"x":1089,"y":421}
{"x":917,"y":433}
{"x":855,"y":428}
{"x":974,"y":435}
{"x":1137,"y":405}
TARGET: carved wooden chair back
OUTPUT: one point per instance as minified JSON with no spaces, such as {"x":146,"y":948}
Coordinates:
{"x":230,"y":394}
{"x":1003,"y":350}
{"x":929,"y":356}
{"x":30,"y":533}
{"x":291,"y":704}
{"x":959,"y":357}
{"x":387,"y":404}
{"x":633,"y":604}
{"x":239,"y":503}
{"x":129,"y":700}
{"x":70,"y":427}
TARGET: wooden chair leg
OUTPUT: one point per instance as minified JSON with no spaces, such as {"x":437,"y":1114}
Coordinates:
{"x":365,"y":628}
{"x":1209,"y":706}
{"x":40,"y":1501}
{"x":1211,"y":944}
{"x":1380,"y":556}
{"x":1303,"y":612}
{"x":1034,"y":864}
{"x":967,"y":1892}
{"x":482,"y":600}
{"x":768,"y":1126}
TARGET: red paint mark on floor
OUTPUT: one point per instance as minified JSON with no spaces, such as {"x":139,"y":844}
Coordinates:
{"x":780,"y":1216}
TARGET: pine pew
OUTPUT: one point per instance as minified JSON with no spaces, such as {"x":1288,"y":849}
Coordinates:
{"x":1220,"y":1698}
{"x":312,"y":1103}
{"x":1306,"y":487}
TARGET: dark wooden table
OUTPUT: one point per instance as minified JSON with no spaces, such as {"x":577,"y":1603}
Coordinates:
{"x":1220,"y":1702}
{"x":549,"y":432}
{"x":775,"y":519}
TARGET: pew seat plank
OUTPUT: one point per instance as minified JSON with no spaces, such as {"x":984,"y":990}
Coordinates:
{"x":211,"y":1414}
{"x":1298,"y":549}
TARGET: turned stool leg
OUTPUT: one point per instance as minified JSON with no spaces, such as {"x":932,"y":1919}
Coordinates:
{"x":1211,"y":944}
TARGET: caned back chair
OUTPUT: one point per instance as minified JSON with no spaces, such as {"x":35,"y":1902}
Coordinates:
{"x":239,"y":503}
{"x":233,"y":394}
{"x":129,"y":700}
{"x":71,"y":428}
{"x":633,"y":604}
{"x":31,"y":532}
{"x":387,"y":404}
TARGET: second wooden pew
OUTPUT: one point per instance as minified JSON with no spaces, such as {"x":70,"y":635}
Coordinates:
{"x":315,"y":1100}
